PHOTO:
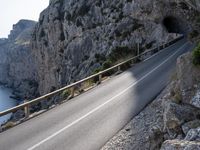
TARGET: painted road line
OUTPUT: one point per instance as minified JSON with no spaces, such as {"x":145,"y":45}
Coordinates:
{"x":102,"y":105}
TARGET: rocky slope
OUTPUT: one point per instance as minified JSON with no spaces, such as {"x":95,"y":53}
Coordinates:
{"x":74,"y":37}
{"x":193,"y":3}
{"x":17,"y":67}
{"x":172,"y":120}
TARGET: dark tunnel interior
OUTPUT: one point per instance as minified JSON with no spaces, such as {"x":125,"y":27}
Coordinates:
{"x":175,"y":25}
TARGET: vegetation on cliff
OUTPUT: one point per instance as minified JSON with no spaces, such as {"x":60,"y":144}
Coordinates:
{"x":196,"y":55}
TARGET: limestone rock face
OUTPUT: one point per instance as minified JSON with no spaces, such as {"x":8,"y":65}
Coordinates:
{"x":188,"y":78}
{"x":194,"y":3}
{"x":70,"y":33}
{"x":190,"y":125}
{"x":175,"y":115}
{"x":193,"y":135}
{"x":21,"y":30}
{"x":17,"y":67}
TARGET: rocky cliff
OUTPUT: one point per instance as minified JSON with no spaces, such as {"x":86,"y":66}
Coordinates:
{"x":17,"y":67}
{"x":193,"y":3}
{"x":74,"y":37}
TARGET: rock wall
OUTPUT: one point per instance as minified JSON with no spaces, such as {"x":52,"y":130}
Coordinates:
{"x":193,"y":3}
{"x":71,"y":34}
{"x":17,"y":66}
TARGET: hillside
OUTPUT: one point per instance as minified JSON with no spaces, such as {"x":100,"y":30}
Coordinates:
{"x":70,"y":32}
{"x":76,"y":38}
{"x":45,"y":56}
{"x":17,"y":67}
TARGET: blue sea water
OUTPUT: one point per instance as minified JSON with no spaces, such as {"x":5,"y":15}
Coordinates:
{"x":6,"y":102}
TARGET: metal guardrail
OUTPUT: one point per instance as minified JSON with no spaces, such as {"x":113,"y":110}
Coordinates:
{"x":26,"y":105}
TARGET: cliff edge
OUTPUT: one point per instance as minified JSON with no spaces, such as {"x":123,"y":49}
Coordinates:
{"x":17,"y":65}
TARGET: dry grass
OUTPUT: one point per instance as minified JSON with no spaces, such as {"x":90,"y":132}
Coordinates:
{"x":9,"y":125}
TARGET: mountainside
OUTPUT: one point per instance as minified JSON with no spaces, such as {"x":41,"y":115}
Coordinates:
{"x":75,"y":37}
{"x":17,"y":68}
{"x":193,"y":3}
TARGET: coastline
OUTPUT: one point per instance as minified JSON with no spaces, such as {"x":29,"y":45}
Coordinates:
{"x":6,"y":101}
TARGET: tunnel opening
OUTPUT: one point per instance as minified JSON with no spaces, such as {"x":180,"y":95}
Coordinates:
{"x":175,"y":25}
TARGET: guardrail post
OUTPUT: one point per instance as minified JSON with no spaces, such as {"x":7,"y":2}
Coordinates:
{"x":119,"y":68}
{"x":26,"y":110}
{"x":72,"y":91}
{"x":100,"y":78}
{"x":163,"y":45}
{"x":27,"y":105}
{"x":132,"y":61}
{"x":138,"y":48}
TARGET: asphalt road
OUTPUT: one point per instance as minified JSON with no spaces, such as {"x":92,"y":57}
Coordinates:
{"x":88,"y":121}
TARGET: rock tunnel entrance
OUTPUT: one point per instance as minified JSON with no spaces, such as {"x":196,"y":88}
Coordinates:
{"x":176,"y":25}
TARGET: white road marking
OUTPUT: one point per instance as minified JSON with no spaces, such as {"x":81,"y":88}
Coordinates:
{"x":158,"y":52}
{"x":100,"y":106}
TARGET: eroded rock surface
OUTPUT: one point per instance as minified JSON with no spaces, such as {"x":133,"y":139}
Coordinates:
{"x":72,"y":36}
{"x":17,"y":66}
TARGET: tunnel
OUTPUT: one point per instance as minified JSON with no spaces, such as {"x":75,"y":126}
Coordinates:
{"x":176,"y":25}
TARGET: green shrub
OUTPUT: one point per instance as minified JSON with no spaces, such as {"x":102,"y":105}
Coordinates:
{"x":9,"y":125}
{"x":65,"y":94}
{"x":193,"y":34}
{"x":177,"y":98}
{"x":196,"y":55}
{"x":97,"y":70}
{"x":198,"y":19}
{"x":107,"y":64}
{"x":100,"y":57}
{"x":118,"y":54}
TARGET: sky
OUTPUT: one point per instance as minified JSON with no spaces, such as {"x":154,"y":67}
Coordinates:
{"x":11,"y":11}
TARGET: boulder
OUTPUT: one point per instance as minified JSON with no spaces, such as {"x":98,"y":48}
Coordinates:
{"x":188,"y":77}
{"x":193,"y":135}
{"x":196,"y":99}
{"x":180,"y":145}
{"x":177,"y":114}
{"x":190,"y":125}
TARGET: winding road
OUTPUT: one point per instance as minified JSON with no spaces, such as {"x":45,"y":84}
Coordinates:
{"x":88,"y":121}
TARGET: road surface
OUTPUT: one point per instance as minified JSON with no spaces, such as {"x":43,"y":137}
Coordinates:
{"x":88,"y":121}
